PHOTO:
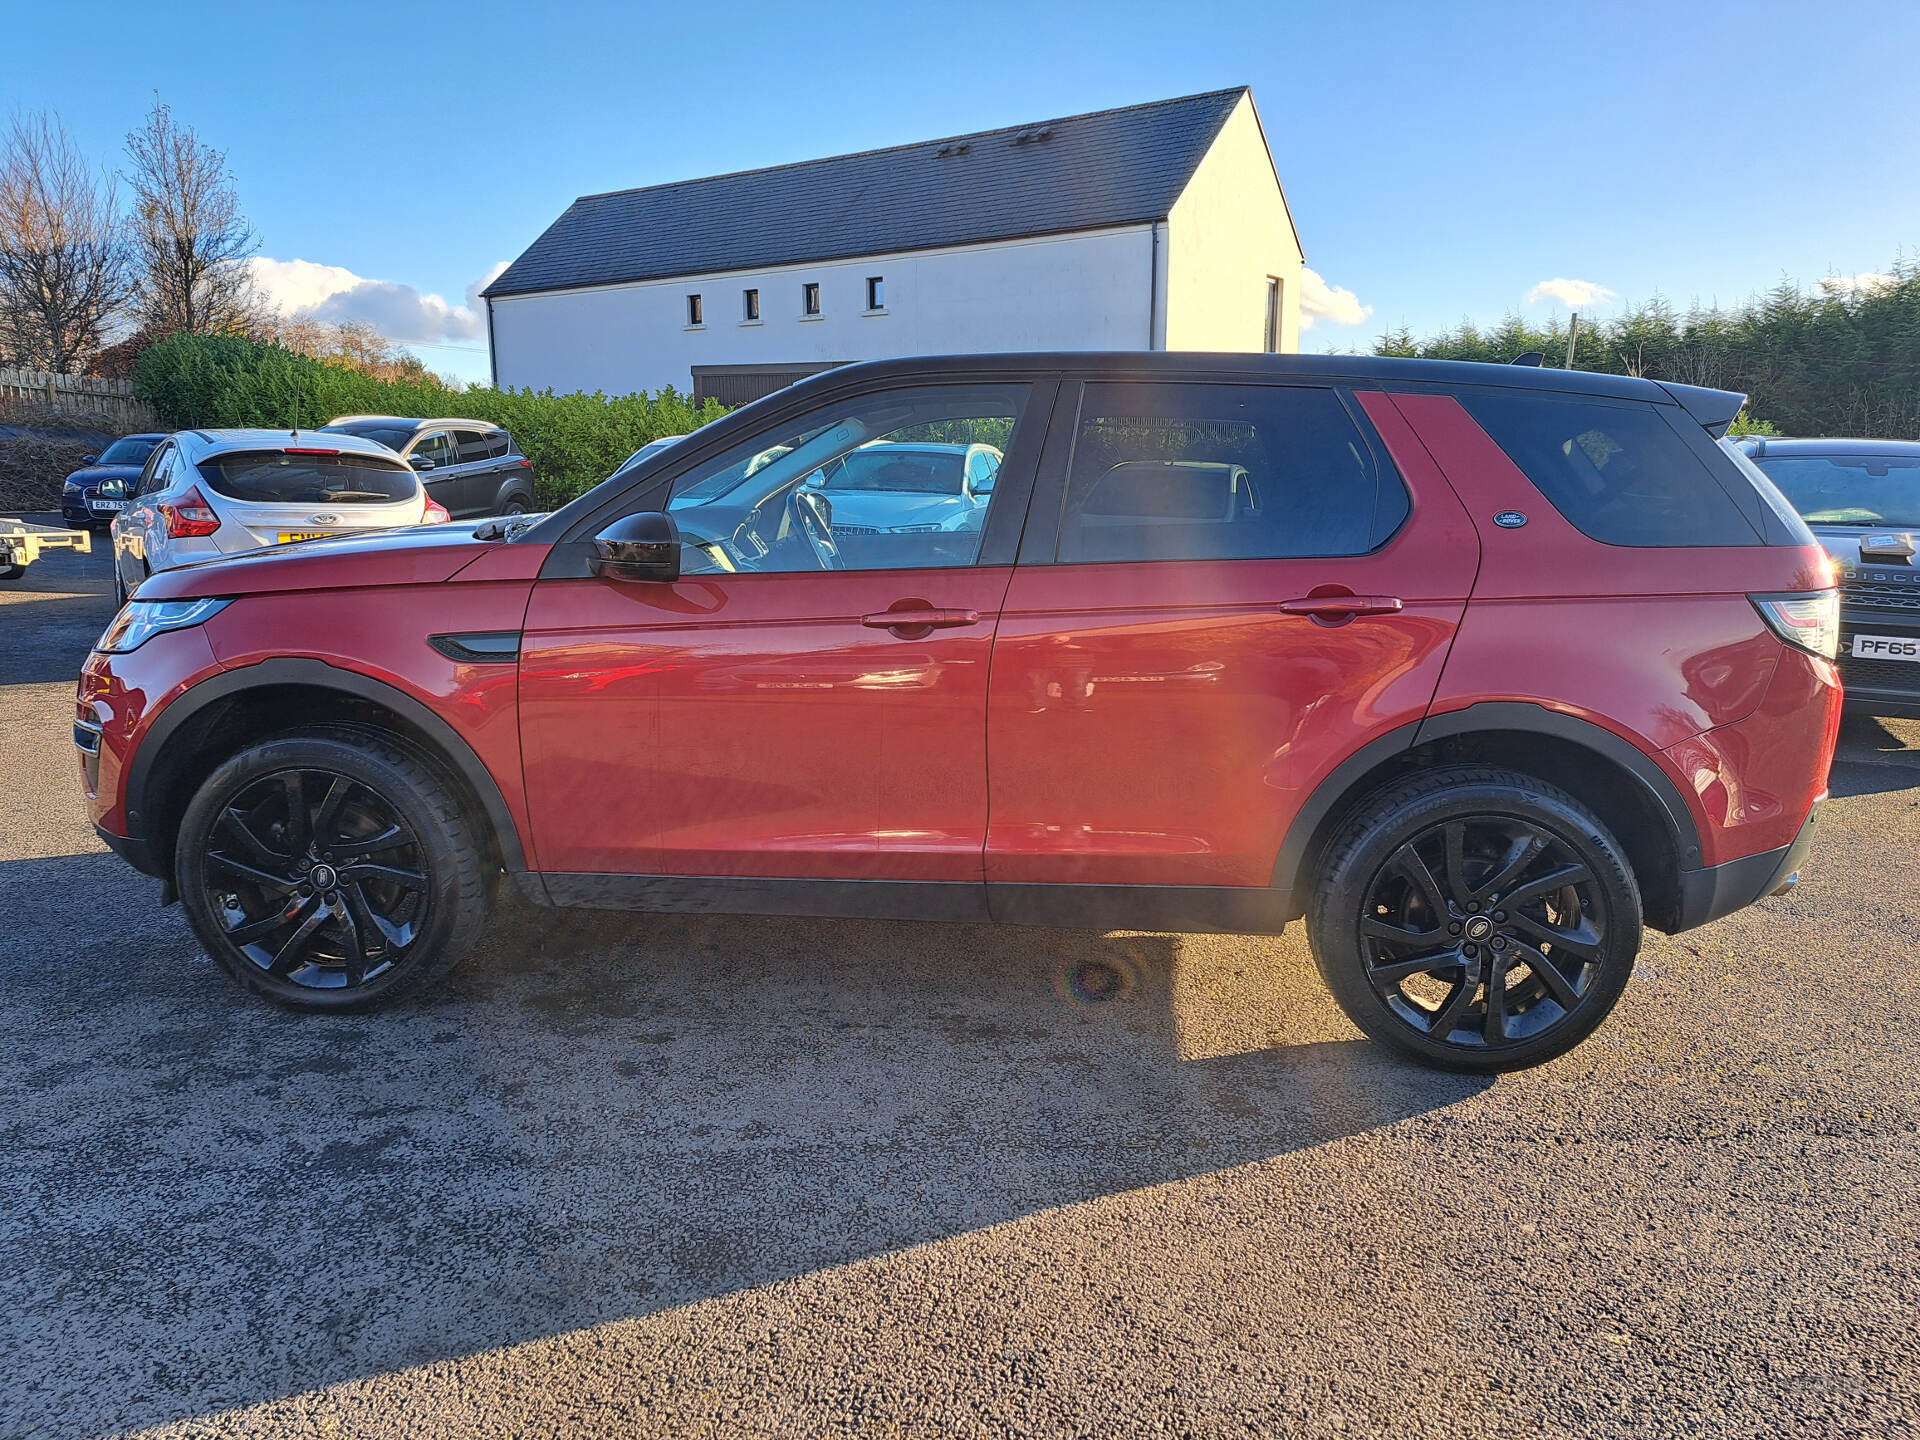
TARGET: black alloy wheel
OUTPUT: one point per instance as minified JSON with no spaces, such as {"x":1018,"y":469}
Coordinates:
{"x":1477,"y":919}
{"x":1483,"y":930}
{"x":329,"y":868}
{"x":316,"y":879}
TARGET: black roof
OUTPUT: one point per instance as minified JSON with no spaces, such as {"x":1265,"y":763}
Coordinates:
{"x":1711,"y":407}
{"x":1833,"y":445}
{"x":1084,"y":172}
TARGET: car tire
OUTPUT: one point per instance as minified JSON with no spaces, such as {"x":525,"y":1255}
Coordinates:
{"x":1475,"y":919}
{"x":377,"y":887}
{"x":515,"y":506}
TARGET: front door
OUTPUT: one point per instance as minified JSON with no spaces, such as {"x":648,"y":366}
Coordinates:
{"x":1238,"y":593}
{"x":808,"y":701}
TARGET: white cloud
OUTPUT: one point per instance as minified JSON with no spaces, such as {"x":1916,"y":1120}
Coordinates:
{"x":1321,"y":301}
{"x":1865,"y":283}
{"x":401,"y":313}
{"x":1574,"y":294}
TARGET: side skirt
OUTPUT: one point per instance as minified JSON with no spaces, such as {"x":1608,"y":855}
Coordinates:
{"x":1220,"y":909}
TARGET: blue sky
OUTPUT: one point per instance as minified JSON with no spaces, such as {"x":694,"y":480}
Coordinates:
{"x":1441,"y":160}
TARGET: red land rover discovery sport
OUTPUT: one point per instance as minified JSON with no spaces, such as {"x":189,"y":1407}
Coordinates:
{"x":1478,"y":669}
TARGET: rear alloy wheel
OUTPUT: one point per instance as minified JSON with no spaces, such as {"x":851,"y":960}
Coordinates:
{"x":1476,"y":919}
{"x":329,"y":869}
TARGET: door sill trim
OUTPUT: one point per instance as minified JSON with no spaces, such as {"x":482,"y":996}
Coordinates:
{"x":1200,"y":909}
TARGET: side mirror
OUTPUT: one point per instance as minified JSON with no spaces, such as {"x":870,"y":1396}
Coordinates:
{"x":640,"y":547}
{"x":88,"y":459}
{"x":421,"y":462}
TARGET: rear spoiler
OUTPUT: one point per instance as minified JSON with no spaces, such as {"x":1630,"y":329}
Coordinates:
{"x":1714,"y":409}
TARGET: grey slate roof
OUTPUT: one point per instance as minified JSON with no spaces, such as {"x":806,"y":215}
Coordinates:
{"x":1114,"y":167}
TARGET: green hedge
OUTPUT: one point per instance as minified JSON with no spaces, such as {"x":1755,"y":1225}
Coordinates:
{"x":574,"y":441}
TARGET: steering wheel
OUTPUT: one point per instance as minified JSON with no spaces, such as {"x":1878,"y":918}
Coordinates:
{"x":810,"y":514}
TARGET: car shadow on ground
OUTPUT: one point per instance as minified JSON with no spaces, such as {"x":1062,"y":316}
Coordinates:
{"x":51,"y":615}
{"x":209,"y":1202}
{"x":1876,"y":757}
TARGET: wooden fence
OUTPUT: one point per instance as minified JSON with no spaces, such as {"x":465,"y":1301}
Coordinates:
{"x":78,"y":395}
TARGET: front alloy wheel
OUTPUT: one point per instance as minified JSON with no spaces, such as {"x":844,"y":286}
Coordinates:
{"x":329,"y":869}
{"x":315,"y":879}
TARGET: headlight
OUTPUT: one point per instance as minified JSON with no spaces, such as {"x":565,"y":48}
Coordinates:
{"x":140,"y":620}
{"x":1810,"y":621}
{"x":69,"y":488}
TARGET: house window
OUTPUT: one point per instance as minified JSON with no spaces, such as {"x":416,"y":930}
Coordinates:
{"x":693,"y":310}
{"x":876,"y":293}
{"x":1273,"y":317}
{"x":750,"y":304}
{"x":810,"y":298}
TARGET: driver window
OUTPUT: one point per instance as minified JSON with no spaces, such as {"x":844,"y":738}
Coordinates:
{"x":435,"y":447}
{"x":878,"y":482}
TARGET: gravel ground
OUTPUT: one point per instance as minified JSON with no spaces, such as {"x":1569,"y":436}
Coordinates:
{"x":709,"y":1176}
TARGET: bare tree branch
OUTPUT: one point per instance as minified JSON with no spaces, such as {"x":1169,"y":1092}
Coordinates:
{"x":64,"y":263}
{"x":190,"y":238}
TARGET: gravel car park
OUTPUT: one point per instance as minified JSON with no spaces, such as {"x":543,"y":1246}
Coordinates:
{"x":723,"y":1176}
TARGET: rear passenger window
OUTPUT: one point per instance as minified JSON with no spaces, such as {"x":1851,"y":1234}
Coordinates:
{"x":472,"y":446}
{"x":1222,"y":472}
{"x":1617,"y":472}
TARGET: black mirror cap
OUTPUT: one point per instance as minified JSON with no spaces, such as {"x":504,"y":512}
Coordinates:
{"x":639,"y":547}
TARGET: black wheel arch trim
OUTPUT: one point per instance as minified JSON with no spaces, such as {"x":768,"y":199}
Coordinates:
{"x":1488,"y":715}
{"x":318,"y":674}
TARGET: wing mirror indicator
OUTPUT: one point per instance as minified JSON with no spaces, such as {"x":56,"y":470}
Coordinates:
{"x":639,"y":547}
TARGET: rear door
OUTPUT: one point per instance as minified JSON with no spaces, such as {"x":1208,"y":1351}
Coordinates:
{"x":1224,"y":591}
{"x":797,"y":706}
{"x":478,"y":456}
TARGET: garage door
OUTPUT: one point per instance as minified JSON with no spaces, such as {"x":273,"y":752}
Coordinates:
{"x":738,"y":384}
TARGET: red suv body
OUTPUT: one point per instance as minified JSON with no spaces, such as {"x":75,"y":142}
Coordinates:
{"x":1474,"y":667}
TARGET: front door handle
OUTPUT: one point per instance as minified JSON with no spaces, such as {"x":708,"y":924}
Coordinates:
{"x":921,"y":619}
{"x":1329,"y":607}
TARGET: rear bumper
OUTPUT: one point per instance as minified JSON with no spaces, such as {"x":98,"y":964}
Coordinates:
{"x":1718,"y":890}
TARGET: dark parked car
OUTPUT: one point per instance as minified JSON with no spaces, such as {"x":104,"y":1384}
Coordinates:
{"x":1862,"y":499}
{"x":98,"y":491}
{"x":1477,"y":669}
{"x":469,"y":467}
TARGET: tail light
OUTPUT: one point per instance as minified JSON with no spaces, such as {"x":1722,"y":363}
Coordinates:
{"x":191,"y":518}
{"x":435,"y":513}
{"x":1811,"y":622}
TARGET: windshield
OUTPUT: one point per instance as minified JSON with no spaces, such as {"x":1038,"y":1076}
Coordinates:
{"x":275,"y":477}
{"x":394,"y":437}
{"x":898,"y":468}
{"x":1849,"y":489}
{"x":127,"y":452}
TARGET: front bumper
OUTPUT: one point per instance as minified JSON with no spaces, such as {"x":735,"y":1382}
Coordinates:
{"x":1718,"y":890}
{"x":135,"y":852}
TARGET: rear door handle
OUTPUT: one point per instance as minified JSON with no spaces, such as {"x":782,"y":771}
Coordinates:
{"x":1328,"y":606}
{"x":920,"y":619}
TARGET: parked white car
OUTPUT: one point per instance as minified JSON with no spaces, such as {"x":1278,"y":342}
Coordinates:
{"x":207,"y":493}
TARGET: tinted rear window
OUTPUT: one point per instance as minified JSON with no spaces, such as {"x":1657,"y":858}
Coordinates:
{"x":1223,"y":472}
{"x":272,"y":477}
{"x":1617,"y":472}
{"x":392,"y":436}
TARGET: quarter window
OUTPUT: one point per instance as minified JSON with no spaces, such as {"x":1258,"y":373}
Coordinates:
{"x":1617,"y":471}
{"x":810,"y":298}
{"x":874,"y":483}
{"x":1223,"y":472}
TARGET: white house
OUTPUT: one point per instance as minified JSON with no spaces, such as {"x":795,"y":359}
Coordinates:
{"x":1157,"y":226}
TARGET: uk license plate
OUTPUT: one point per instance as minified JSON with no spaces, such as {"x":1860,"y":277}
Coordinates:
{"x":1886,"y":647}
{"x":108,"y":507}
{"x":287,"y":537}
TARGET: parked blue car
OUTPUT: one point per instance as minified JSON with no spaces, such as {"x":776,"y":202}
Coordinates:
{"x":895,"y":488}
{"x":99,"y":490}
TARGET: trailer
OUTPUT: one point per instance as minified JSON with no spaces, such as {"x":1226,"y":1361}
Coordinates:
{"x":21,"y":544}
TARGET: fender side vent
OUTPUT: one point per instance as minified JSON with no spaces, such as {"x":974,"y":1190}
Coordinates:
{"x":482,"y":647}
